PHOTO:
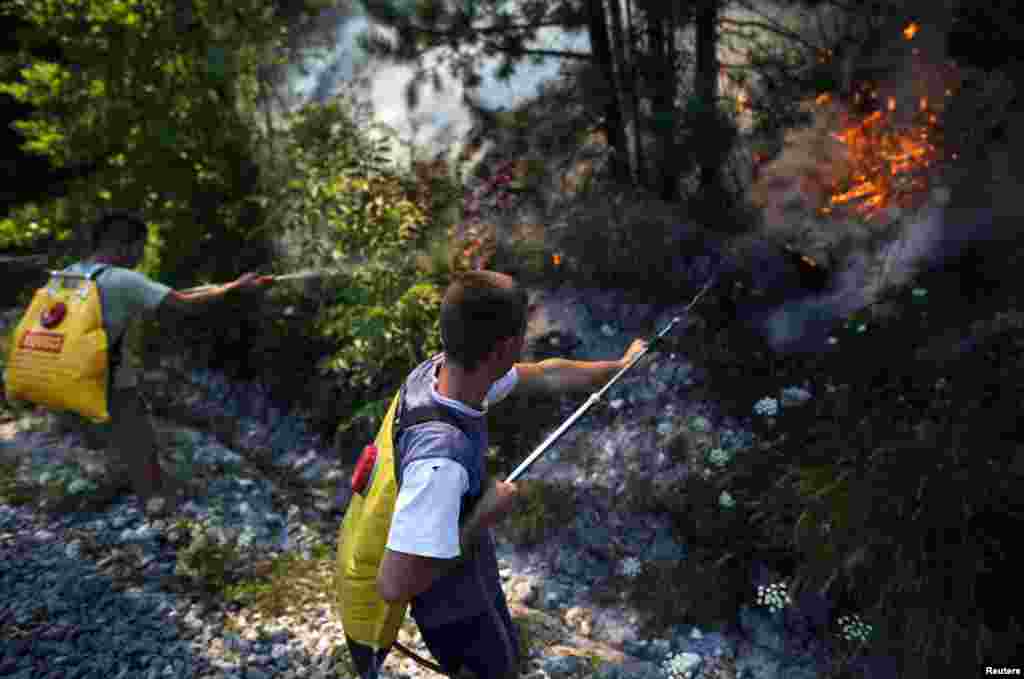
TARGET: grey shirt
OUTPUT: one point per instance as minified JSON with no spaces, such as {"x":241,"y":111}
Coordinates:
{"x":125,"y":296}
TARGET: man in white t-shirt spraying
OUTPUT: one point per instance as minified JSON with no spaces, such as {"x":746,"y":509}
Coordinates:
{"x":125,"y":296}
{"x":440,"y":554}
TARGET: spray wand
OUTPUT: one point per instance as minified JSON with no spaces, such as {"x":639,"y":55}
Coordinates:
{"x":298,"y":275}
{"x":595,"y":397}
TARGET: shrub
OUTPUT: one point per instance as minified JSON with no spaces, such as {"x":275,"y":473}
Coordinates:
{"x":212,"y":554}
{"x":543,"y":508}
{"x":291,"y":581}
{"x":871,"y":490}
{"x":13,"y":491}
{"x":694,"y":590}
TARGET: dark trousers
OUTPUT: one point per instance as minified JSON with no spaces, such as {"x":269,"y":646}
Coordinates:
{"x":131,"y":444}
{"x":367,"y":663}
{"x":487,"y":645}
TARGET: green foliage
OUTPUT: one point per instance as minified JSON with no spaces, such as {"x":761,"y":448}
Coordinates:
{"x":518,"y":425}
{"x":210,"y":557}
{"x":292,"y":580}
{"x":543,"y":508}
{"x":694,"y":590}
{"x":364,"y":420}
{"x":869,"y":492}
{"x":13,"y":491}
{"x":344,"y":201}
{"x":526,"y":630}
{"x":389,"y":340}
{"x":145,"y":106}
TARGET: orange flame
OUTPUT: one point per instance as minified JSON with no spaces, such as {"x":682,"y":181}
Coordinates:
{"x":557,"y":259}
{"x":910,"y":31}
{"x":887,"y":165}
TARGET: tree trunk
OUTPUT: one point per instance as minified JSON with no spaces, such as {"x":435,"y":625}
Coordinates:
{"x":632,"y":49}
{"x":706,"y":86}
{"x":614,"y":125}
{"x":663,"y":88}
{"x":623,"y":89}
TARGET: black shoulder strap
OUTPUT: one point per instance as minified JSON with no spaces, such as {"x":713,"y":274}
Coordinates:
{"x":100,"y":268}
{"x":425,"y":413}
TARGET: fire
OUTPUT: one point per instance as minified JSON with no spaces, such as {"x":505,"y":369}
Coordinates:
{"x":557,"y":259}
{"x":910,"y":31}
{"x":888,"y":164}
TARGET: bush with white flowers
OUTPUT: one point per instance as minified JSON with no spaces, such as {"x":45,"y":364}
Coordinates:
{"x":720,"y":457}
{"x":700,"y":424}
{"x":768,"y":407}
{"x":775,"y":596}
{"x":855,"y":629}
{"x":631,"y":567}
{"x":682,"y":665}
{"x":794,"y":396}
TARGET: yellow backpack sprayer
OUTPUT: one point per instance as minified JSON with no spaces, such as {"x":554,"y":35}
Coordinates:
{"x":59,"y":355}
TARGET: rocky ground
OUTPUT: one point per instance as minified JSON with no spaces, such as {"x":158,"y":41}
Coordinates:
{"x":268,"y":488}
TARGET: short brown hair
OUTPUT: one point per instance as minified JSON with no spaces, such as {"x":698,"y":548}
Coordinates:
{"x":480,"y":309}
{"x":118,"y":227}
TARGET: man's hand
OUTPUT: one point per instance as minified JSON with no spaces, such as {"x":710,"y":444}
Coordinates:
{"x":251,"y":281}
{"x":497,"y":502}
{"x":637,"y":347}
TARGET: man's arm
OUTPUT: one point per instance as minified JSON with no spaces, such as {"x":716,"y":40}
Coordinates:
{"x":403,"y":576}
{"x":187,"y":303}
{"x":191,"y":303}
{"x":176,"y":304}
{"x":554,"y":376}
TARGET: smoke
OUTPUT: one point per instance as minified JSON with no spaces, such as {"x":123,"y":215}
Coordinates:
{"x":884,"y":254}
{"x":441,"y":120}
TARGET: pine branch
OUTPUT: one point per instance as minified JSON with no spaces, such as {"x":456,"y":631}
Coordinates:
{"x":777,"y":30}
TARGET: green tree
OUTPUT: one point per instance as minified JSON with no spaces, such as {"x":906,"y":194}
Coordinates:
{"x":147,"y":103}
{"x":642,"y":50}
{"x":346,"y":208}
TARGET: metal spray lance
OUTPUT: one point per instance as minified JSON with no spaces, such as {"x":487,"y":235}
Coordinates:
{"x":595,"y":397}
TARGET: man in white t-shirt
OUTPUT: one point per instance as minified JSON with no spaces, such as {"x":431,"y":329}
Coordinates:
{"x":440,"y":554}
{"x":126,"y":296}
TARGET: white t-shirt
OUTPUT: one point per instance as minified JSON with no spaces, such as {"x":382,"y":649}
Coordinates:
{"x":426,"y":519}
